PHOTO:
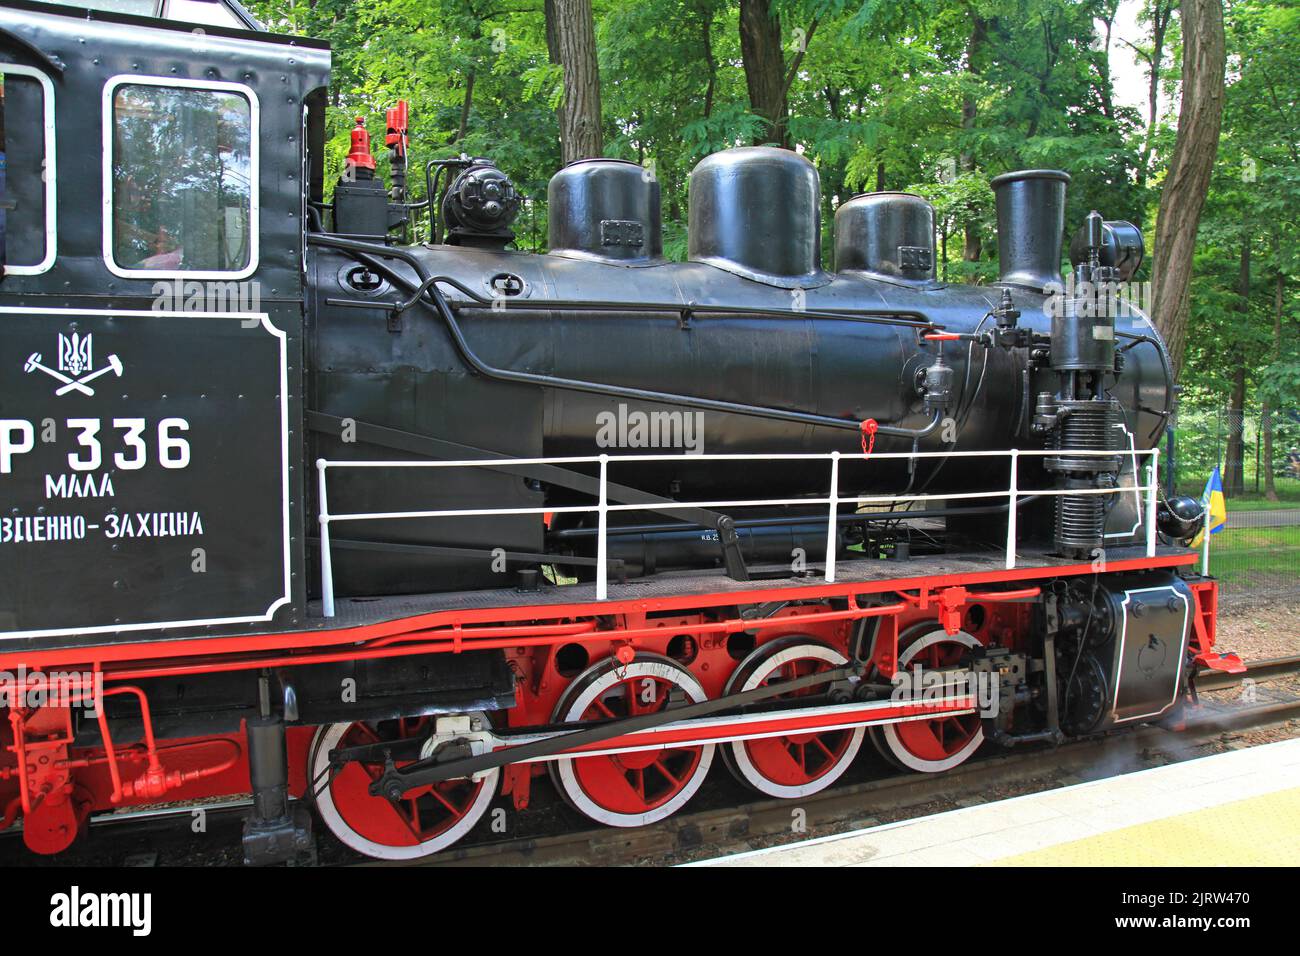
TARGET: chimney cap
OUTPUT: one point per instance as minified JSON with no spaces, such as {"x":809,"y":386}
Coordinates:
{"x":1019,"y":174}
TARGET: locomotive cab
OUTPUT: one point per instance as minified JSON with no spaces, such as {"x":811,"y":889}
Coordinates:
{"x":152,"y":293}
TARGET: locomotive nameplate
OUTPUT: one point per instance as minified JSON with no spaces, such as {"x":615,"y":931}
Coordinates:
{"x":143,"y":470}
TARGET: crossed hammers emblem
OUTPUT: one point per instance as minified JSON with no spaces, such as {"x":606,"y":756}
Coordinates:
{"x":33,"y":364}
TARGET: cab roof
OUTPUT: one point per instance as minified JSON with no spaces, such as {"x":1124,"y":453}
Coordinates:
{"x":217,"y":17}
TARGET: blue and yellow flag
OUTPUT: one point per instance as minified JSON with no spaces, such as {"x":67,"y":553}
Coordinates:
{"x":1213,"y":499}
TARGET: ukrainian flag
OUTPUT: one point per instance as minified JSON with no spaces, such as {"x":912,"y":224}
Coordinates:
{"x":1213,"y":499}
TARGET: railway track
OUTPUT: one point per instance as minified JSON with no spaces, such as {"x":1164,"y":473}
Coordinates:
{"x":1257,"y":671}
{"x":716,"y":830}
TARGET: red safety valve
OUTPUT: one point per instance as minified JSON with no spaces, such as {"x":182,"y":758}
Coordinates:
{"x":360,"y":153}
{"x":397,"y":120}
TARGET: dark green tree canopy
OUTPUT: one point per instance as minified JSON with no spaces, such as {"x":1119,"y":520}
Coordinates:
{"x":932,"y":96}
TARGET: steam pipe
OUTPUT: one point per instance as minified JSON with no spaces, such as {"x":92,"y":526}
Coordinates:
{"x":368,"y":255}
{"x":866,"y":517}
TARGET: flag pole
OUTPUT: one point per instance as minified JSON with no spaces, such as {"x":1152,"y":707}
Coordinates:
{"x":1205,"y":545}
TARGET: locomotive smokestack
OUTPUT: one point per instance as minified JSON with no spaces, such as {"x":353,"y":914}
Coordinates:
{"x":1031,"y":222}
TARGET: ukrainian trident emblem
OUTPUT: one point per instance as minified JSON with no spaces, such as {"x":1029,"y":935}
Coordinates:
{"x":75,"y":354}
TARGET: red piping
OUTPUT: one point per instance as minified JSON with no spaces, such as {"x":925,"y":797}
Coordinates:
{"x":297,"y":640}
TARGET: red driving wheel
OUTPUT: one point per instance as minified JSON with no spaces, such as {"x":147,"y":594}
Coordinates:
{"x":424,"y":821}
{"x":940,"y":743}
{"x":793,"y":765}
{"x":632,"y":788}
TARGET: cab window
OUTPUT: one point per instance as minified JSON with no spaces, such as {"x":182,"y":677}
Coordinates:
{"x":183,"y":180}
{"x":26,"y":188}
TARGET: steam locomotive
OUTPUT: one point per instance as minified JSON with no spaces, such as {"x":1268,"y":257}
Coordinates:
{"x":379,"y":532}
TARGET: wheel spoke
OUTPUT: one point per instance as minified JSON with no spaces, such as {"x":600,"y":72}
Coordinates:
{"x":365,"y":730}
{"x":663,"y":769}
{"x":824,"y":749}
{"x":438,"y":795}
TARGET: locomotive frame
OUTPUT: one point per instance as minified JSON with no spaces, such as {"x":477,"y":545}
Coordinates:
{"x":448,"y":696}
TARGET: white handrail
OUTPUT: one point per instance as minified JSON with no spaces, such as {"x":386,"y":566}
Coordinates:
{"x":1012,"y":495}
{"x":602,"y":507}
{"x":326,"y":566}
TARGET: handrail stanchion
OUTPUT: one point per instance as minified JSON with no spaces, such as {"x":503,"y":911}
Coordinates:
{"x":1151,"y":503}
{"x":1011,"y":508}
{"x":326,"y":568}
{"x":602,"y":522}
{"x":832,"y":523}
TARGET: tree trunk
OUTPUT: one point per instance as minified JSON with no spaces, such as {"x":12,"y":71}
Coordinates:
{"x":1234,"y":479}
{"x":571,"y":42}
{"x":1105,"y":85}
{"x":760,"y":49}
{"x":711,"y":64}
{"x":1188,"y":180}
{"x":552,"y":37}
{"x":1266,"y":412}
{"x":465,"y":108}
{"x":974,"y":63}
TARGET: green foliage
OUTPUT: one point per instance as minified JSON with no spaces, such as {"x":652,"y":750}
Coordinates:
{"x":931,"y":96}
{"x":1254,"y":204}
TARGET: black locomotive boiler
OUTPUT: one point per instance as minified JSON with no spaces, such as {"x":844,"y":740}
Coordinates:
{"x":529,"y":355}
{"x":383,"y":531}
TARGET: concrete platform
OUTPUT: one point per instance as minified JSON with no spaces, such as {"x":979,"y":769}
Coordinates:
{"x":1240,"y":808}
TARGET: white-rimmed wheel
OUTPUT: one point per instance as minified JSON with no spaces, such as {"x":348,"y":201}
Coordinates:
{"x":940,"y":743}
{"x":630,"y":789}
{"x":793,"y":765}
{"x":427,"y":820}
